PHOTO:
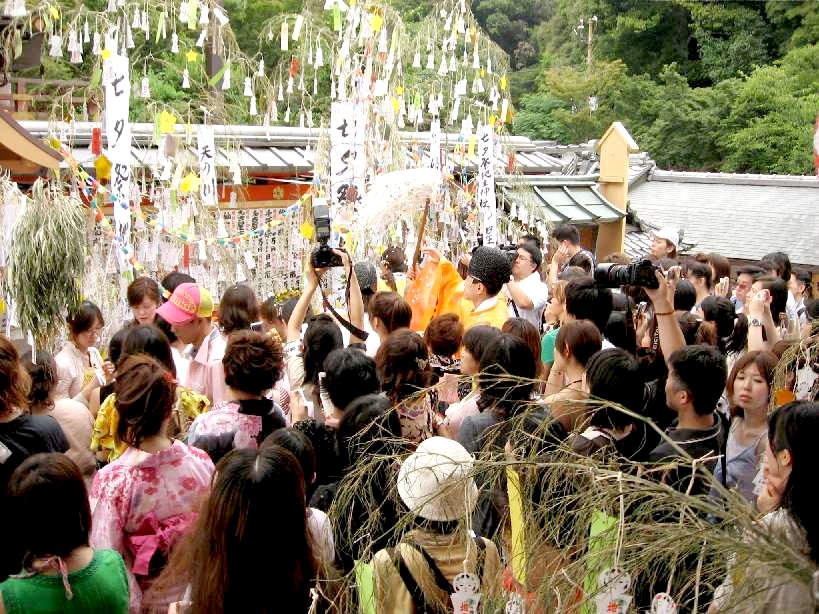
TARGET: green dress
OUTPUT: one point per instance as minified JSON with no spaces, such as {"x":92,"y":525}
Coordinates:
{"x":100,"y":588}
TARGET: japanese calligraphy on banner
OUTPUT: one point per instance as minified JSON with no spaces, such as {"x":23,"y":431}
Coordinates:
{"x":207,"y":165}
{"x":348,"y":162}
{"x":118,"y":136}
{"x":486,"y":185}
{"x":435,"y":143}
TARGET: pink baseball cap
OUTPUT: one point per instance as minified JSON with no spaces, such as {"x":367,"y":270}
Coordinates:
{"x":187,"y":302}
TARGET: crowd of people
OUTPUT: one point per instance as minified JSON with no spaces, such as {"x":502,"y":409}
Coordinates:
{"x":206,"y":466}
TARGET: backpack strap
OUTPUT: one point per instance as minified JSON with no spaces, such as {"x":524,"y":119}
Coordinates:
{"x":422,"y":605}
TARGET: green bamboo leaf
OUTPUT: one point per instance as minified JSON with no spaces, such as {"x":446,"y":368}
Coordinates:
{"x":96,"y":76}
{"x":220,"y":73}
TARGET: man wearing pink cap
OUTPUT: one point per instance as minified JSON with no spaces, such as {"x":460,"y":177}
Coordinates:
{"x":189,"y":312}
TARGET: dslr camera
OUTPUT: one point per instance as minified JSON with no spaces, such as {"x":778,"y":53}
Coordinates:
{"x":322,"y":256}
{"x":610,"y":275}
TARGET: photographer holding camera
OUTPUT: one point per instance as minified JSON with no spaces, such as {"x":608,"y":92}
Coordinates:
{"x":527,"y":293}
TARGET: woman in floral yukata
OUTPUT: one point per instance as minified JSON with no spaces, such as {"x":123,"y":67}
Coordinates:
{"x":253,"y":364}
{"x":146,"y":499}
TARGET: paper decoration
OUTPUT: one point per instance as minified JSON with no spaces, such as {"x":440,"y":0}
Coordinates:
{"x":663,"y":603}
{"x":467,"y":595}
{"x":145,"y":88}
{"x":226,"y":78}
{"x":186,"y":79}
{"x":206,"y":152}
{"x":435,"y":143}
{"x":174,"y":43}
{"x":283,"y":36}
{"x":248,"y":87}
{"x":297,"y":27}
{"x":486,"y":185}
{"x":254,"y":111}
{"x":118,"y":138}
{"x":348,"y":162}
{"x":612,"y":597}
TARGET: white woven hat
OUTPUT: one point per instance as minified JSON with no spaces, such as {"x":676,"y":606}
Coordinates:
{"x":435,"y":481}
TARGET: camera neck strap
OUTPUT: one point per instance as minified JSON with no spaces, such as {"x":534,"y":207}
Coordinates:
{"x":352,"y":328}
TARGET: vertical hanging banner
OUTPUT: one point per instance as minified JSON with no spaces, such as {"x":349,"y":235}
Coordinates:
{"x":206,"y":149}
{"x":486,"y":185}
{"x":348,"y":163}
{"x":118,"y":136}
{"x":435,"y":143}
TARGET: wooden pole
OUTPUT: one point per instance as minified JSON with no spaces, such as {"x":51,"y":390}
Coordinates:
{"x":416,"y":259}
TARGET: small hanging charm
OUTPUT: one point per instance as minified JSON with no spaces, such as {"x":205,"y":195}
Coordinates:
{"x":280,"y":97}
{"x":249,"y":262}
{"x":129,"y":38}
{"x":86,"y":33}
{"x":174,"y":43}
{"x":96,"y":47}
{"x":145,"y":25}
{"x":261,"y":67}
{"x":274,"y":112}
{"x":612,"y":597}
{"x":112,"y":6}
{"x":137,"y":21}
{"x":200,"y":42}
{"x":663,"y":603}
{"x":514,"y":605}
{"x":453,"y":63}
{"x":204,"y":14}
{"x":145,"y":92}
{"x":442,"y":69}
{"x":186,"y":79}
{"x":287,"y":116}
{"x":253,"y":110}
{"x":240,"y":273}
{"x":226,"y":79}
{"x":319,"y":56}
{"x":431,"y":61}
{"x":416,"y":60}
{"x":183,"y":11}
{"x":55,"y":44}
{"x":297,"y":27}
{"x":290,"y":85}
{"x":467,"y":593}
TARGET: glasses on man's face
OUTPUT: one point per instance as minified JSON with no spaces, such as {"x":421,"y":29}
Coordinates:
{"x":522,"y":258}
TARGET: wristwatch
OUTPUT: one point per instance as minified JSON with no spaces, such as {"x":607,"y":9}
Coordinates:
{"x":755,"y":322}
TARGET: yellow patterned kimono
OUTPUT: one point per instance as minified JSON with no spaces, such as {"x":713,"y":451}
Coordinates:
{"x":189,"y":404}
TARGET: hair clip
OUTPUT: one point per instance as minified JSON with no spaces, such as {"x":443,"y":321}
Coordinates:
{"x":422,"y":363}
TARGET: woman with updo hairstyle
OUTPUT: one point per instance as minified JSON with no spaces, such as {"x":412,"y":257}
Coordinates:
{"x":389,"y":312}
{"x":148,"y":497}
{"x":253,"y":364}
{"x":147,"y":340}
{"x":402,"y":363}
{"x":238,"y":309}
{"x":75,"y":377}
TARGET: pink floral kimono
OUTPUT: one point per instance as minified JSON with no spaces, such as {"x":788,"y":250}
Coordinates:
{"x":142,"y":504}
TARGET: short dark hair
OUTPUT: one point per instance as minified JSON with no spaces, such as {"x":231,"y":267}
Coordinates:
{"x":287,"y":308}
{"x":585,"y":300}
{"x":478,"y":338}
{"x":614,"y":375}
{"x":567,"y":232}
{"x":751,"y":269}
{"x":34,"y":487}
{"x":689,"y":325}
{"x":532,"y":239}
{"x":348,"y":374}
{"x":444,"y":334}
{"x":238,"y":308}
{"x":534,"y":251}
{"x":572,"y":272}
{"x":174,"y":279}
{"x":368,"y":427}
{"x":253,"y":361}
{"x":83,"y":318}
{"x":620,"y":330}
{"x":321,"y":337}
{"x":270,"y":309}
{"x":779,"y":295}
{"x":721,"y":265}
{"x":299,"y":445}
{"x":118,"y":339}
{"x":779,"y":262}
{"x":142,"y":288}
{"x":582,"y":337}
{"x":402,"y":365}
{"x":804,"y":277}
{"x":395,"y":258}
{"x":391,"y":309}
{"x":685,"y":296}
{"x":149,"y":340}
{"x":700,"y":270}
{"x":701,"y":370}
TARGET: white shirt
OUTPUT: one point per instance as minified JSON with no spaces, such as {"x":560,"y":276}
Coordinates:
{"x":538,"y":292}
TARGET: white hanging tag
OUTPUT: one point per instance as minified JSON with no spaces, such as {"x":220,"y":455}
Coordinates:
{"x":253,"y":110}
{"x":284,"y":36}
{"x":200,"y":42}
{"x":248,"y":87}
{"x":442,"y":69}
{"x":663,"y":603}
{"x":204,"y":14}
{"x":453,"y":64}
{"x":380,"y":88}
{"x":129,"y":38}
{"x":145,"y":26}
{"x":226,"y":79}
{"x":174,"y":43}
{"x":19,"y":10}
{"x":297,"y":27}
{"x":280,"y":97}
{"x":382,"y":41}
{"x":221,"y":16}
{"x":237,"y":174}
{"x":137,"y":21}
{"x":183,"y":11}
{"x":86,"y":33}
{"x":319,"y":56}
{"x":467,"y":593}
{"x":261,"y":68}
{"x":612,"y":597}
{"x":504,"y":114}
{"x":274,"y":112}
{"x":315,"y":84}
{"x":476,"y":59}
{"x":448,"y":23}
{"x":240,"y":273}
{"x":55,"y":46}
{"x":186,"y":79}
{"x":289,"y":85}
{"x":96,"y":47}
{"x":456,"y":108}
{"x":249,"y":262}
{"x":145,"y":90}
{"x":430,"y":61}
{"x":287,"y":116}
{"x":416,"y":60}
{"x":488,"y":64}
{"x":460,"y":88}
{"x":203,"y":253}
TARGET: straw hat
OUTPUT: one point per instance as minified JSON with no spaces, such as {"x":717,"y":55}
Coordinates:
{"x":435,"y":482}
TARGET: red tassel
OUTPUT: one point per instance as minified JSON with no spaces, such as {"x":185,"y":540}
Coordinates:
{"x":510,"y":163}
{"x":294,"y":67}
{"x":96,"y":141}
{"x":186,"y":256}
